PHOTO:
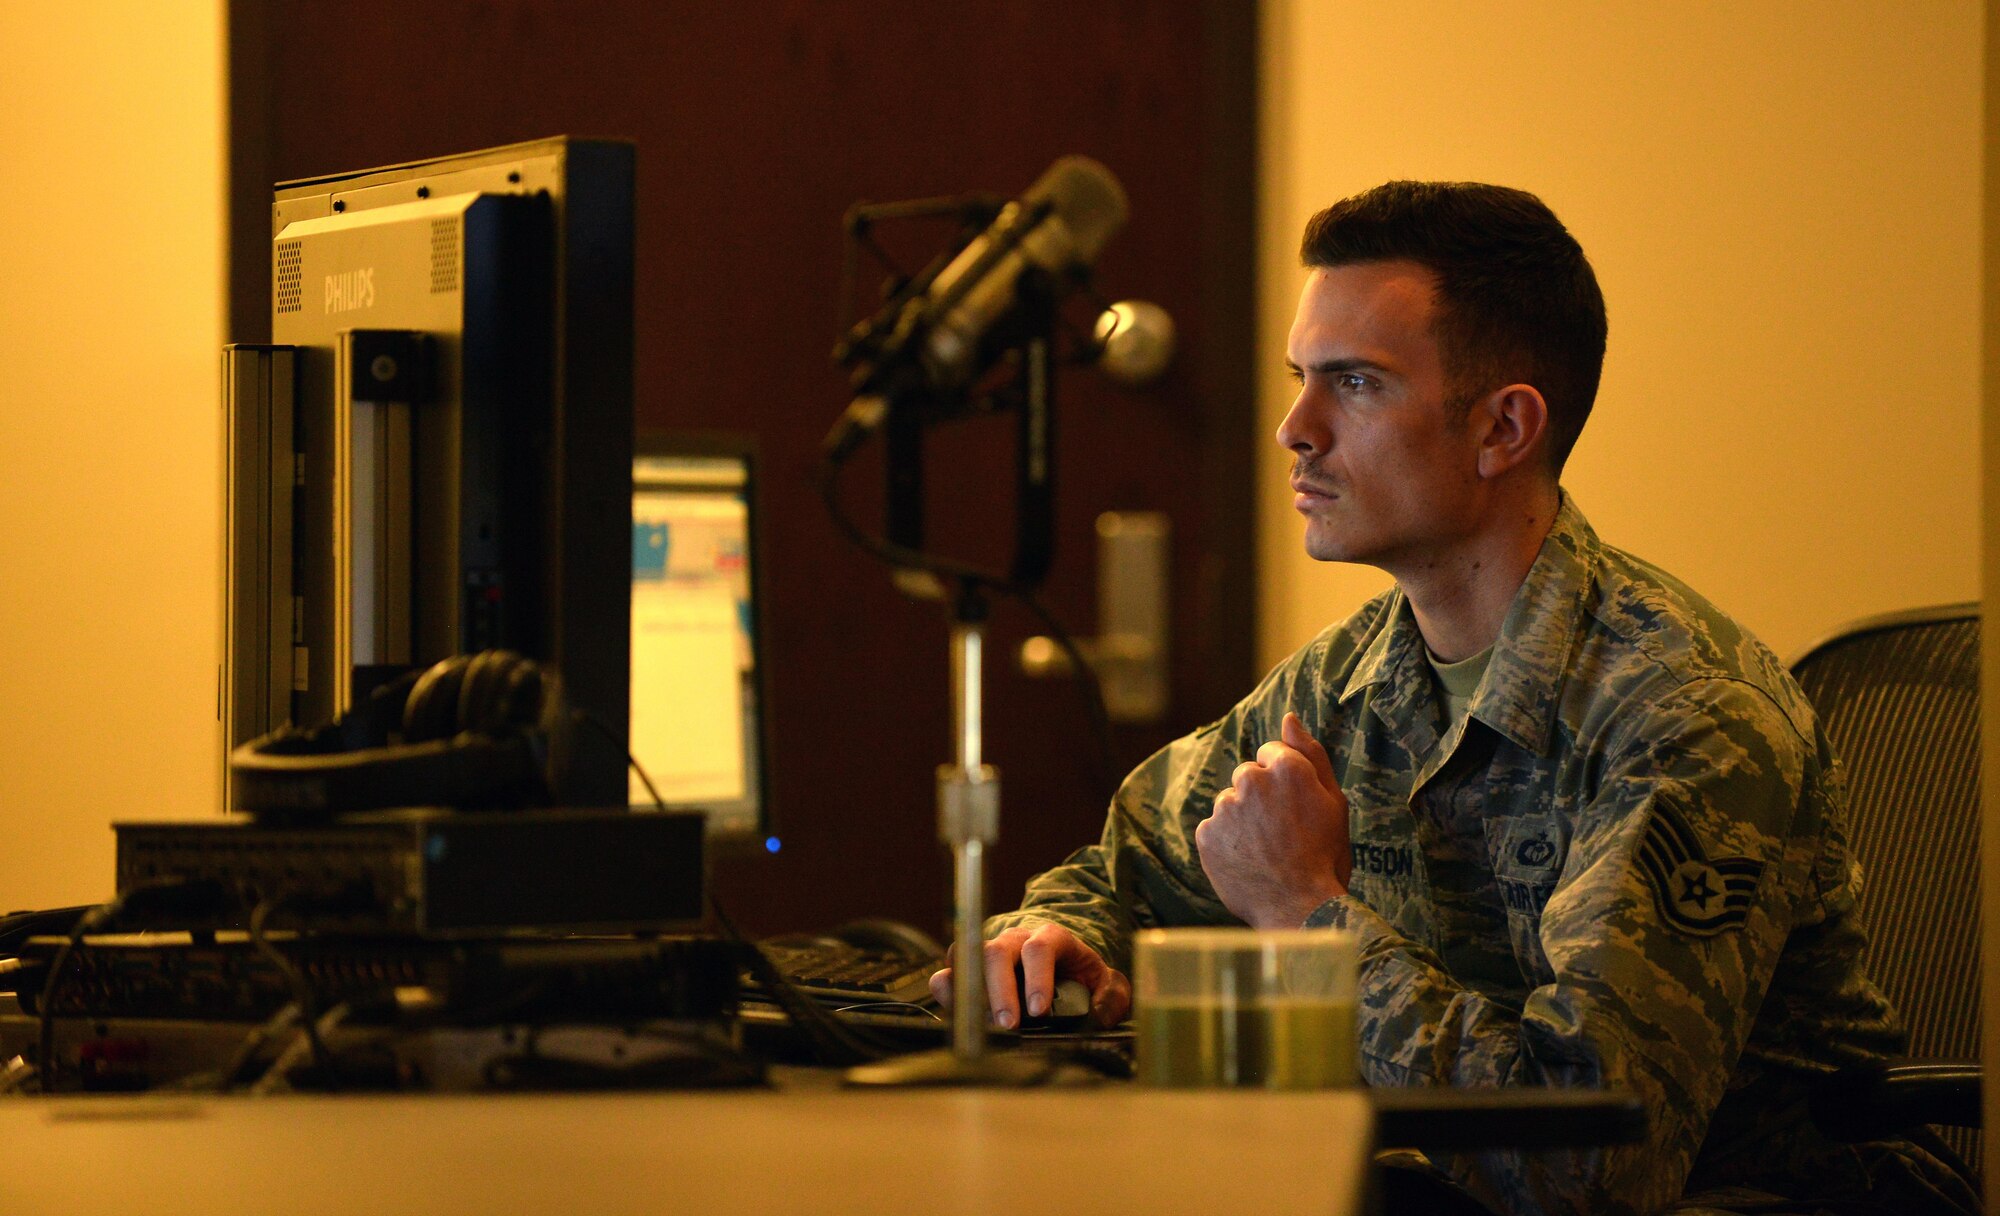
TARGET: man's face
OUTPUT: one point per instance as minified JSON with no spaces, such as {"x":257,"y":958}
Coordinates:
{"x":1383,"y":473}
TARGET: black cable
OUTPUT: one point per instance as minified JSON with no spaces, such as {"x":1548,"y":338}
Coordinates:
{"x":223,"y":1079}
{"x":253,"y":1043}
{"x":311,"y":1033}
{"x":849,"y":274}
{"x":302,"y":993}
{"x":834,"y":1041}
{"x":1103,"y":763}
{"x":18,"y":927}
{"x":83,"y":927}
{"x":45,"y":1008}
{"x":201,"y":892}
{"x":901,"y":557}
{"x":867,"y":1006}
{"x":645,"y":778}
{"x":858,"y":224}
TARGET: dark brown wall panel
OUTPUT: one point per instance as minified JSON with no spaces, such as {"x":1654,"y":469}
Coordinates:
{"x":757,"y":124}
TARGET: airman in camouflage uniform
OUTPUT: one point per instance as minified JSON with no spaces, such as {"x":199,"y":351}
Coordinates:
{"x":1626,"y":866}
{"x":1623,"y":863}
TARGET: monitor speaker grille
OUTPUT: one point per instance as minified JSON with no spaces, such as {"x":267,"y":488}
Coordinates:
{"x":444,"y":256}
{"x":291,"y":276}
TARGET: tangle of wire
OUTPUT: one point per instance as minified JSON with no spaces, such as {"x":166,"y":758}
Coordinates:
{"x":302,"y":993}
{"x":45,"y":1008}
{"x":835,"y":1042}
{"x":86,"y":921}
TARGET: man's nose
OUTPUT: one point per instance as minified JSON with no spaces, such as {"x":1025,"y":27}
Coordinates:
{"x":1303,"y":431}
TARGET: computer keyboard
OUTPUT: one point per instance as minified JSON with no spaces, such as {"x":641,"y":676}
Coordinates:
{"x":841,"y":973}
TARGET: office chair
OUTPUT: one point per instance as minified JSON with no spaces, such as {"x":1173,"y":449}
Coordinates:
{"x":1899,"y":697}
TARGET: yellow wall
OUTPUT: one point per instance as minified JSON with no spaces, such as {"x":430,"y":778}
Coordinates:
{"x":1989,"y":840}
{"x":111,"y":239}
{"x":1784,"y":212}
{"x":1782,"y":202}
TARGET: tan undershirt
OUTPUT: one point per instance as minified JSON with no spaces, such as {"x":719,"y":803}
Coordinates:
{"x":1456,"y":682}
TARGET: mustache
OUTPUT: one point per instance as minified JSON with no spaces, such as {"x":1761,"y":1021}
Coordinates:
{"x":1308,"y":474}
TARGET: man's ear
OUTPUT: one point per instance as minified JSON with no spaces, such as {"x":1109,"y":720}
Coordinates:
{"x":1516,"y":430}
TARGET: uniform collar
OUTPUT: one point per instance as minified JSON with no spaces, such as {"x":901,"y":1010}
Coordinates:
{"x":1396,"y":678}
{"x":1532,"y":658}
{"x":1524,"y":680}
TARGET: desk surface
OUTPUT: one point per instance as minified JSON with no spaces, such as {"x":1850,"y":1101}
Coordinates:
{"x":950,"y":1153}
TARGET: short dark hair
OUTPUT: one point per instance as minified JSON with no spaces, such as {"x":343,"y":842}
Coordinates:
{"x":1517,"y":301}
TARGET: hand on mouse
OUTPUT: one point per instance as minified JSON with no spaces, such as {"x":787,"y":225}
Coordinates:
{"x":1045,"y":953}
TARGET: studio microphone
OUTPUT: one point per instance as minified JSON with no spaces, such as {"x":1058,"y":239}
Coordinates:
{"x":939,"y":341}
{"x":1070,"y":213}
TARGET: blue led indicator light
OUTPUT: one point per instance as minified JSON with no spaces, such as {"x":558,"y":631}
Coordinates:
{"x":771,"y":844}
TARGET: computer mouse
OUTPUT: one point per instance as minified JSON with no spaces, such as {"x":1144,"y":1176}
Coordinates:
{"x":1069,"y":1010}
{"x":1072,"y":1000}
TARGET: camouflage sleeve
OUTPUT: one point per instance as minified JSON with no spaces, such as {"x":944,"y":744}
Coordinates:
{"x":1144,"y":871}
{"x":1688,"y":865}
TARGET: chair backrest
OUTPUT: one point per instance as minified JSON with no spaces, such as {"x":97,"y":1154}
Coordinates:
{"x":1899,"y":697}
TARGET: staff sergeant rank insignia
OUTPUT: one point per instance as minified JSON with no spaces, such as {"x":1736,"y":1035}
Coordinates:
{"x":1695,"y":894}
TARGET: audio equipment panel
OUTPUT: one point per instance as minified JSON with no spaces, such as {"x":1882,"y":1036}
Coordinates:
{"x":436,"y":873}
{"x":226,"y":978}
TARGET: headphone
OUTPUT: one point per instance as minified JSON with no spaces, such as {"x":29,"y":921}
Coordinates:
{"x":477,"y":732}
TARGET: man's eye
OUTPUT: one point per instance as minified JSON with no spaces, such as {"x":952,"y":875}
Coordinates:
{"x":1297,"y":374}
{"x":1353,"y":382}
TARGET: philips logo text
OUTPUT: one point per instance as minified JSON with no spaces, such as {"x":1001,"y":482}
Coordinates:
{"x":350,"y":289}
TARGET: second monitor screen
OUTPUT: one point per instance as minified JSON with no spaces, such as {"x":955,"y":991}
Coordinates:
{"x":694,"y":653}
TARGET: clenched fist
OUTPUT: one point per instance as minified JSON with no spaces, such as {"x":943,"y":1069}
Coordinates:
{"x":1276,"y":846}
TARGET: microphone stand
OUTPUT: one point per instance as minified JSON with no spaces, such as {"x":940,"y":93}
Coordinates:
{"x":968,"y":790}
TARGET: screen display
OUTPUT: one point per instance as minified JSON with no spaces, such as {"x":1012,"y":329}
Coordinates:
{"x":694,"y":647}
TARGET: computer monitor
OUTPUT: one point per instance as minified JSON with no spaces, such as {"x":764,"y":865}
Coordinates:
{"x":697,"y":721}
{"x":431,"y":458}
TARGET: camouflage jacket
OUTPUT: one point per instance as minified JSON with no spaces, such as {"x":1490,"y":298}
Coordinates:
{"x":1626,"y":866}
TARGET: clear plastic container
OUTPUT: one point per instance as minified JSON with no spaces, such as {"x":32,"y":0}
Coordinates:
{"x":1264,"y":1008}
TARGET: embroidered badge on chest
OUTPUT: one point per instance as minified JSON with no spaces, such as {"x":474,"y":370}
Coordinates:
{"x":1696,"y":893}
{"x":1535,"y":851}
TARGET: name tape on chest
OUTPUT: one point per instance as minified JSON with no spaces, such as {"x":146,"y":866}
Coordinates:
{"x":1696,"y":893}
{"x":1388,"y":861}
